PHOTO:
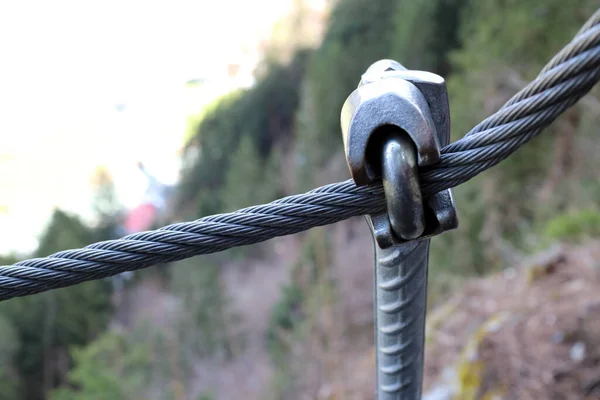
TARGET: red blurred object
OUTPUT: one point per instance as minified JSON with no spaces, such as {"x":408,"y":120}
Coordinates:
{"x":140,"y":218}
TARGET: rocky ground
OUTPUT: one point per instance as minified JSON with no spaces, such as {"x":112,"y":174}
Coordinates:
{"x":532,"y":332}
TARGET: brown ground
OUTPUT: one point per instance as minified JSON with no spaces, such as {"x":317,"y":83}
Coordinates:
{"x":542,"y":339}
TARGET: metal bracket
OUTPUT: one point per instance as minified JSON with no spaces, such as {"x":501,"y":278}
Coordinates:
{"x":415,"y":102}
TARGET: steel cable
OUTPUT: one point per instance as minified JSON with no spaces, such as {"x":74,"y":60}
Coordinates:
{"x":566,"y":78}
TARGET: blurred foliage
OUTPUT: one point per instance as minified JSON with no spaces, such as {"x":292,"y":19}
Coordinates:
{"x":151,"y":360}
{"x":206,"y":329}
{"x":45,"y":325}
{"x":573,"y":226}
{"x":285,"y":316}
{"x":250,"y":180}
{"x":284,"y":327}
{"x":10,"y":379}
{"x":359,"y":32}
{"x":64,"y":231}
{"x":250,"y":124}
{"x":111,"y":367}
{"x":288,"y":321}
{"x":425,"y":32}
{"x":294,"y":320}
{"x":140,"y":363}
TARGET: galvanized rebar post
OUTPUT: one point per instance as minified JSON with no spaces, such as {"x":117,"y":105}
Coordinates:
{"x":396,"y":121}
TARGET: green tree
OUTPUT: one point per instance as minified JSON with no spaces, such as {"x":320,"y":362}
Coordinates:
{"x":111,"y":367}
{"x":48,"y":324}
{"x":9,"y":347}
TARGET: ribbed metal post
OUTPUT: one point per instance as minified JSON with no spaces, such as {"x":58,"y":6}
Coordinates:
{"x":401,"y":298}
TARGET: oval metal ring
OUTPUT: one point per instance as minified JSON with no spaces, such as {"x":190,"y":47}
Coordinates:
{"x":399,"y":170}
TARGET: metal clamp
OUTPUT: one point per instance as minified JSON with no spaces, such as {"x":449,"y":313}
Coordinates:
{"x":391,"y":98}
{"x":393,"y":123}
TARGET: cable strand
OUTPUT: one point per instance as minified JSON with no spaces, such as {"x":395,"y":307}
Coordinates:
{"x":567,"y":77}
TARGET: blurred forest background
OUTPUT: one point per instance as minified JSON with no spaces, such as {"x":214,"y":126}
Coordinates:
{"x":292,"y":318}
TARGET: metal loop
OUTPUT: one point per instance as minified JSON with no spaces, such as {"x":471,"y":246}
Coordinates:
{"x":400,"y":176}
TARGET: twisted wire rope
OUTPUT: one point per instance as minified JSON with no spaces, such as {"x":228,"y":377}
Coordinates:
{"x":567,"y":77}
